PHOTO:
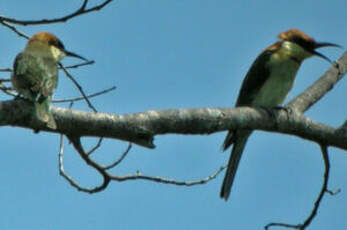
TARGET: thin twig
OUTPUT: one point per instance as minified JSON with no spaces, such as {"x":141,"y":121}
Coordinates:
{"x":120,"y":159}
{"x":164,"y":180}
{"x":82,"y":98}
{"x":79,"y":87}
{"x":6,"y":70}
{"x":333,"y":193}
{"x":8,"y":91}
{"x":95,"y":147}
{"x":317,"y":203}
{"x":79,"y":65}
{"x":108,"y":177}
{"x":76,"y":141}
{"x":324,"y":188}
{"x":13,"y":28}
{"x":65,"y":175}
{"x":85,"y":97}
{"x":81,"y":10}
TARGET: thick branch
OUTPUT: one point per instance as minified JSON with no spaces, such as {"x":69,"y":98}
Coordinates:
{"x":76,"y":141}
{"x":141,"y":127}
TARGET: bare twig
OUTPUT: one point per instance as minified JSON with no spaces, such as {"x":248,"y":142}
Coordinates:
{"x":324,"y":189}
{"x":81,"y":10}
{"x":8,"y":91}
{"x":79,"y":65}
{"x":108,"y":177}
{"x":85,"y":97}
{"x":281,"y":225}
{"x":164,"y":180}
{"x":66,"y":176}
{"x":61,"y":164}
{"x":76,"y":141}
{"x":98,"y":144}
{"x":88,"y":96}
{"x":333,"y":193}
{"x":6,"y":70}
{"x":13,"y":28}
{"x":120,"y":159}
{"x":79,"y":87}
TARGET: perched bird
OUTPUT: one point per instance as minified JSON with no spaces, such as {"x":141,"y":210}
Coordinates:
{"x":35,"y":73}
{"x":266,"y":84}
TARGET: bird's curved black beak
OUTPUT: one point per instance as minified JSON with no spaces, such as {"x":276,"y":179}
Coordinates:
{"x":318,"y":45}
{"x":70,"y":54}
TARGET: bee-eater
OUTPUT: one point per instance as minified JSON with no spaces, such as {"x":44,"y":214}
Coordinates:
{"x":266,"y":84}
{"x":35,"y":73}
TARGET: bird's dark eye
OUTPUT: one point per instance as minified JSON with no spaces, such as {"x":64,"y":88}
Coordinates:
{"x":57,"y":44}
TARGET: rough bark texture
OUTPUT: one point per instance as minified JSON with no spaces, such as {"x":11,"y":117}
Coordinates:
{"x":140,"y":128}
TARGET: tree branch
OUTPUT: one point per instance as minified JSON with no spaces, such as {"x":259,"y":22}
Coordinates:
{"x":141,"y":127}
{"x":79,"y":87}
{"x":70,"y":179}
{"x":76,"y":141}
{"x":317,"y":203}
{"x":107,"y":177}
{"x":81,"y":10}
{"x":13,"y":28}
{"x":83,"y":98}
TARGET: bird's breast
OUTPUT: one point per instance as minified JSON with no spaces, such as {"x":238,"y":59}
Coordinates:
{"x":278,"y":84}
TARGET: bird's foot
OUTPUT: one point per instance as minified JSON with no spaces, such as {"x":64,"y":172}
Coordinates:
{"x":272,"y":112}
{"x":287,"y":109}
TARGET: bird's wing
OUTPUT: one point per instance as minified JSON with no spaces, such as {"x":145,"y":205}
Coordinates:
{"x":40,"y":75}
{"x":254,"y":79}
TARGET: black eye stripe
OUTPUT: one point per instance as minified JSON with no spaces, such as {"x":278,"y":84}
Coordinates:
{"x":57,"y":44}
{"x":309,"y":45}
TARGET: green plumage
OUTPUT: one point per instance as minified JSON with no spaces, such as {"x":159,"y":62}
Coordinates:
{"x":266,"y":84}
{"x":35,"y":78}
{"x":251,"y":85}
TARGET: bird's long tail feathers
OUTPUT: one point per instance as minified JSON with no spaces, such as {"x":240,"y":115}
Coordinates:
{"x":239,"y":138}
{"x":43,"y":112}
{"x":229,"y":140}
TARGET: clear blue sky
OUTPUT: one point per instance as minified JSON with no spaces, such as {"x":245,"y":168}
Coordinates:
{"x":165,"y":54}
